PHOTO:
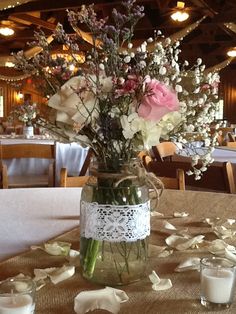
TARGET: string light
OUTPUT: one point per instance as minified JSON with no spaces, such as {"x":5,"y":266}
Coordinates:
{"x":8,"y":78}
{"x":10,"y":4}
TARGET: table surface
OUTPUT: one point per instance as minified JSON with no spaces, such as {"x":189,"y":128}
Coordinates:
{"x":20,"y":139}
{"x":33,"y":215}
{"x":183,"y":297}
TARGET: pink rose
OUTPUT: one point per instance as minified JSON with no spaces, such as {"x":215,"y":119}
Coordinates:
{"x":158,"y":100}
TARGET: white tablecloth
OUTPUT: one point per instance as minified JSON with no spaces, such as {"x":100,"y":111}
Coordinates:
{"x":70,"y":156}
{"x":31,"y":216}
{"x":224,"y":154}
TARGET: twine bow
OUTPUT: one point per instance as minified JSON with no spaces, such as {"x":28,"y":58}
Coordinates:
{"x":139,"y":172}
{"x":135,"y":171}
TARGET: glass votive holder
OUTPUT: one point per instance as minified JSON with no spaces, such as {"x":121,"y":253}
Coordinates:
{"x":217,"y":283}
{"x":17,"y":296}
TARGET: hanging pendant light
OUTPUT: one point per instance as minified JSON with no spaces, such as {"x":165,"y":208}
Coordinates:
{"x":232,"y":52}
{"x":6,"y":31}
{"x":180,"y":15}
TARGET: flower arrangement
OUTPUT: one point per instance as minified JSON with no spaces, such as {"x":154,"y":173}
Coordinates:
{"x":124,"y":99}
{"x":127,"y":98}
{"x":25,"y":113}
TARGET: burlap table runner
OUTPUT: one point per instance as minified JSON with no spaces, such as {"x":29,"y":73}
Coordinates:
{"x":183,"y":297}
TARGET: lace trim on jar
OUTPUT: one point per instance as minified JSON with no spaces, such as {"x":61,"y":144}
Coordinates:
{"x":115,"y":223}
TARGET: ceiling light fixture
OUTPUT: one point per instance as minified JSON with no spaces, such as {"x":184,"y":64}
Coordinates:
{"x":232,"y":53}
{"x":180,"y":15}
{"x":6,"y":31}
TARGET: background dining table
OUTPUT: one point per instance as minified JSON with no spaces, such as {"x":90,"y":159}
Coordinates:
{"x":68,"y":155}
{"x":183,"y":297}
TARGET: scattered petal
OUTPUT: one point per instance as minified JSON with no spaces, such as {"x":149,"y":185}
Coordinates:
{"x":180,"y":214}
{"x":54,"y":273}
{"x":158,"y":283}
{"x":105,"y":299}
{"x":183,"y":242}
{"x":191,"y":263}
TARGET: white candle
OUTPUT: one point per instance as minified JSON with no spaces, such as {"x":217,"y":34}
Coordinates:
{"x":217,"y":285}
{"x":20,"y":304}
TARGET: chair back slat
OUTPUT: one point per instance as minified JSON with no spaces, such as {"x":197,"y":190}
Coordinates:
{"x":164,"y":151}
{"x":66,"y":181}
{"x":86,"y":163}
{"x":10,"y":151}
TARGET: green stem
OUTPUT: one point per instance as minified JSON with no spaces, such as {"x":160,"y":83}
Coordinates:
{"x":91,"y":258}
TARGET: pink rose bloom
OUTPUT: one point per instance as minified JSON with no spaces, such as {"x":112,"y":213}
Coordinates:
{"x":158,"y":100}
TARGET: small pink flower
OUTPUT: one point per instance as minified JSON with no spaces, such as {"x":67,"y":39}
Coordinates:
{"x":205,"y":86}
{"x":129,"y":86}
{"x":157,"y":101}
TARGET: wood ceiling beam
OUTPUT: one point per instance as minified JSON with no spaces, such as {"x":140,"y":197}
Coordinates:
{"x":55,"y":5}
{"x":163,"y":5}
{"x":216,"y":17}
{"x":22,"y":18}
{"x":203,"y":5}
{"x":226,"y":17}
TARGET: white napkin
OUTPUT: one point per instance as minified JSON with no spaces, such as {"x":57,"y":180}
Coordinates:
{"x":56,"y":274}
{"x":183,"y":242}
{"x":159,"y":284}
{"x":106,"y":299}
{"x":192,"y":263}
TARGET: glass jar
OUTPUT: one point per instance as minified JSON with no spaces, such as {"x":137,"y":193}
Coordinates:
{"x":28,"y":131}
{"x":115,"y":226}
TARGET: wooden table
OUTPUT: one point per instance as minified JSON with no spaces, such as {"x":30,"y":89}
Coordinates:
{"x":183,"y":297}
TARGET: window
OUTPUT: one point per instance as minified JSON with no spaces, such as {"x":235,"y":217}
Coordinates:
{"x":1,"y":102}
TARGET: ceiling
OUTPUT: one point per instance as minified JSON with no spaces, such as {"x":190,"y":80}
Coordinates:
{"x":210,"y":40}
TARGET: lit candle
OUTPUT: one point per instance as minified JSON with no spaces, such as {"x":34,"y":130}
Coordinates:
{"x":19,"y":304}
{"x":217,"y":285}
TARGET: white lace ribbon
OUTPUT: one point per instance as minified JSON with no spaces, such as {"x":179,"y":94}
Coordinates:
{"x":115,"y":223}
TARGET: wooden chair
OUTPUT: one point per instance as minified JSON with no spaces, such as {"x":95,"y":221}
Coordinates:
{"x":231,"y":144}
{"x":145,"y":158}
{"x":41,"y":151}
{"x":218,"y":177}
{"x":176,"y":181}
{"x":86,"y":163}
{"x":164,"y":151}
{"x":66,"y":181}
{"x":231,"y":138}
{"x":81,"y":179}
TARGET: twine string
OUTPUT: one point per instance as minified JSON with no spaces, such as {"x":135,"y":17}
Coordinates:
{"x":135,"y":171}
